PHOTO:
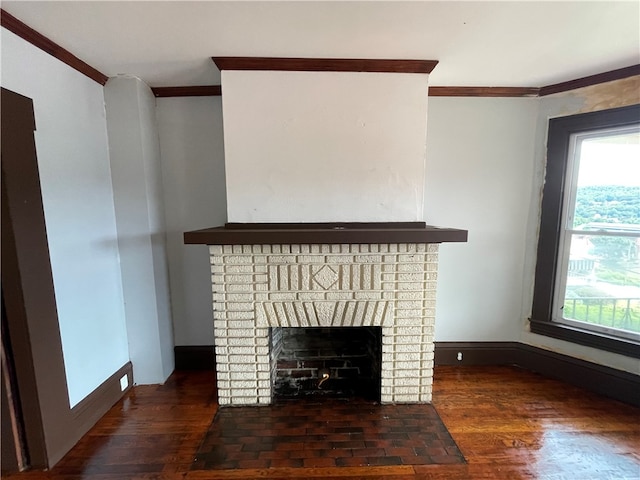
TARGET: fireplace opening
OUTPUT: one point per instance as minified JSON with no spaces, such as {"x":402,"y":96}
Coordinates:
{"x":327,"y":362}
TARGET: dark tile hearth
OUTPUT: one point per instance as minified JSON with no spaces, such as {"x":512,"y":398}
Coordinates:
{"x":327,"y":432}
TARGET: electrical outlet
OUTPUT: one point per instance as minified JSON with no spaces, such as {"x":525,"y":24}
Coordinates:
{"x":459,"y":356}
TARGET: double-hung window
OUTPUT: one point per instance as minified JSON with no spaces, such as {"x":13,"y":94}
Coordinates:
{"x":587,"y":287}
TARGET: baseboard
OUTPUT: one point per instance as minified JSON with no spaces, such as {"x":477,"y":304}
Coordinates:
{"x":97,"y":403}
{"x":606,"y":381}
{"x":476,"y":353}
{"x":202,"y":357}
{"x":195,"y":357}
{"x":92,"y":408}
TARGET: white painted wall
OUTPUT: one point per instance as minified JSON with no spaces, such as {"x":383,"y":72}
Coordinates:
{"x":485,"y":161}
{"x":191,"y":145}
{"x":139,"y":207}
{"x":73,"y":159}
{"x":479,"y":168}
{"x":324,"y":146}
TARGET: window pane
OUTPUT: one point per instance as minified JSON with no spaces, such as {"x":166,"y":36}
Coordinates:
{"x":602,"y":285}
{"x":603,"y":281}
{"x":608,"y":186}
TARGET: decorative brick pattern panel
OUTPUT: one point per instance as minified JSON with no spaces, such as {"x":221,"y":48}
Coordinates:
{"x":256,"y":287}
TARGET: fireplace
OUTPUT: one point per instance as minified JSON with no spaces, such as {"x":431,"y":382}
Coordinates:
{"x":334,"y":140}
{"x":273,"y":276}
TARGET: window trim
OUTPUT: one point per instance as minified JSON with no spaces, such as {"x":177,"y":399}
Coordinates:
{"x":558,"y":145}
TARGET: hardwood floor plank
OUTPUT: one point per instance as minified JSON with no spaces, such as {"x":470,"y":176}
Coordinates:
{"x":509,"y":424}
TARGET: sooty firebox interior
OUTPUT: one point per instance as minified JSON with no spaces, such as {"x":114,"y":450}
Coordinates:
{"x":328,"y":361}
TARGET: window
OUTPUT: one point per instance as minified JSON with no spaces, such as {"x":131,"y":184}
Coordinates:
{"x":587,"y":286}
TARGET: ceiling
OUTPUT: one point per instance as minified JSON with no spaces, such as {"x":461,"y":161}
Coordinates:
{"x":507,"y":44}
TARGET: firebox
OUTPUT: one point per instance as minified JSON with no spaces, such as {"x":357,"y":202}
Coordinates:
{"x":327,"y":362}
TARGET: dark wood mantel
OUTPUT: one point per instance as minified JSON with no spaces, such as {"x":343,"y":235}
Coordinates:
{"x":323,"y":233}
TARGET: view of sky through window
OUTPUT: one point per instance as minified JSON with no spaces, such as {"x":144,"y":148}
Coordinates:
{"x":611,"y":160}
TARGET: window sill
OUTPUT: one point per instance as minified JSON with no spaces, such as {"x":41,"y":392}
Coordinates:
{"x":587,"y":338}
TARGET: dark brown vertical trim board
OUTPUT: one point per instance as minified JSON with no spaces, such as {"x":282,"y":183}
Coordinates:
{"x":51,"y":427}
{"x":27,"y":33}
{"x":195,"y":91}
{"x":15,"y":454}
{"x":483,"y":91}
{"x":27,"y":283}
{"x":324,"y":64}
{"x":610,"y":76}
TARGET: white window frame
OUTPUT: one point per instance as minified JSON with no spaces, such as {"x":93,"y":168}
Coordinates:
{"x":567,"y":231}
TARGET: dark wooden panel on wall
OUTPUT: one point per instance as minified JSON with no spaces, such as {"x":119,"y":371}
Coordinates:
{"x":325,"y":64}
{"x":27,"y":33}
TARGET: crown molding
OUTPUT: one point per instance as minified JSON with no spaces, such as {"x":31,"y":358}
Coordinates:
{"x":195,"y":91}
{"x":215,"y":90}
{"x":27,"y":33}
{"x":483,"y":91}
{"x":604,"y":77}
{"x":324,"y":64}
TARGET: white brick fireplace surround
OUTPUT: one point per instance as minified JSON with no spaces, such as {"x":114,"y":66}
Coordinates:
{"x":333,"y":283}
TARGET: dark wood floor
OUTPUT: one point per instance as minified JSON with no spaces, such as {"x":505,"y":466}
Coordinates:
{"x":508,"y":423}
